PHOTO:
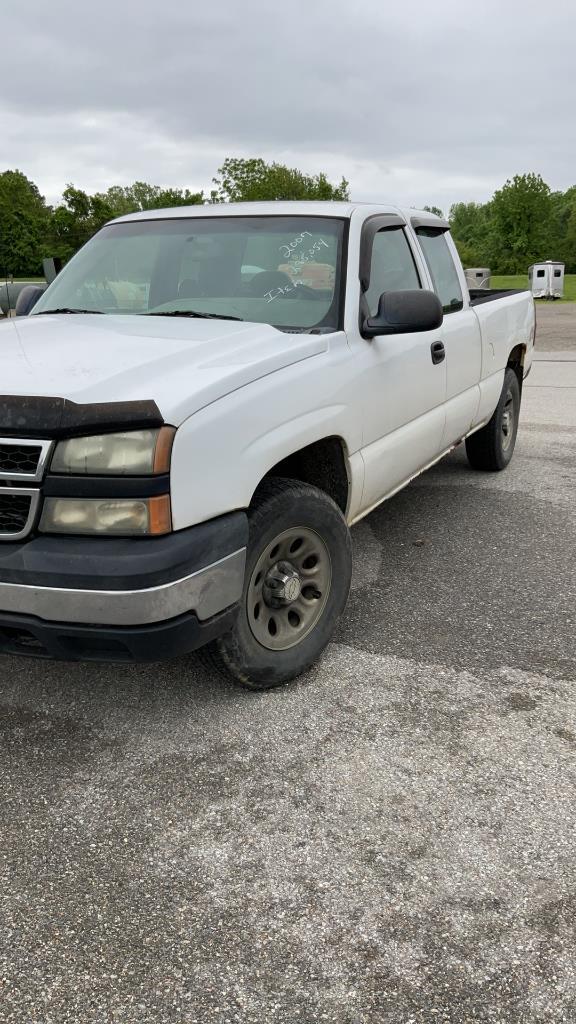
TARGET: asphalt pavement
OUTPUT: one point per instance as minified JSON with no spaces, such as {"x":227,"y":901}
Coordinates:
{"x":391,"y":840}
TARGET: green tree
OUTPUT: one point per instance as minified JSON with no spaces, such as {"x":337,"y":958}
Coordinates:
{"x":76,"y":219}
{"x":142,"y":196}
{"x":433,"y":209}
{"x":563,"y":228}
{"x":521,"y":230}
{"x":568,"y":250}
{"x":470,"y":226}
{"x":468,"y":254}
{"x":23,"y":225}
{"x":241,"y":181}
{"x":80,"y":215}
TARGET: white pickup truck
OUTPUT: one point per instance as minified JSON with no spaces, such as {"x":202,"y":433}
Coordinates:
{"x":206,"y":399}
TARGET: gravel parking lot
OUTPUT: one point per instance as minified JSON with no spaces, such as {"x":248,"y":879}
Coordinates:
{"x":391,"y":840}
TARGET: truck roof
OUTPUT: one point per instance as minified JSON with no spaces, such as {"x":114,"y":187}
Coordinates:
{"x":313,"y":208}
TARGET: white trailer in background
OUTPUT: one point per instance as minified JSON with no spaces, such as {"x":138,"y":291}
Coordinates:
{"x":477,"y":277}
{"x":547,"y":280}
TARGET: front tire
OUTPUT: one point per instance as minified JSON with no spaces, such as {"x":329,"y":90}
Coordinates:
{"x":492,"y":447}
{"x":297,"y":581}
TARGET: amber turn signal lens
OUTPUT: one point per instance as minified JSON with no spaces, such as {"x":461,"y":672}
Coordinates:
{"x":159,"y":515}
{"x":163,"y":451}
{"x":121,"y":517}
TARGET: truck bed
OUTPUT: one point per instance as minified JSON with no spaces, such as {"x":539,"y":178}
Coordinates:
{"x":504,"y":325}
{"x":480,"y":295}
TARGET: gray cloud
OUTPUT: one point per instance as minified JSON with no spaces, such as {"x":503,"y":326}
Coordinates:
{"x":417,"y":102}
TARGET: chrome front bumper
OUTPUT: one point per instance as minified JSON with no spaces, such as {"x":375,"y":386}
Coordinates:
{"x":206,"y":592}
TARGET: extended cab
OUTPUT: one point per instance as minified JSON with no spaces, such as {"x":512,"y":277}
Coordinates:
{"x":206,"y":399}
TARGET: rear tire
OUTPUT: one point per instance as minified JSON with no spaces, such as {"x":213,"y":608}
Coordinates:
{"x":298,"y":572}
{"x":492,"y":447}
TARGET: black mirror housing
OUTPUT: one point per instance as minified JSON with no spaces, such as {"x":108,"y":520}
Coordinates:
{"x":28,"y":298}
{"x":52,"y":267}
{"x":405,"y":312}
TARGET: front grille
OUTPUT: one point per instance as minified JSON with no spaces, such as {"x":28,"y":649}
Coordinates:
{"x":23,"y":459}
{"x":15,"y":512}
{"x":18,"y":459}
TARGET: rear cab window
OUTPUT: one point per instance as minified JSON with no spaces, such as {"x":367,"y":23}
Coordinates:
{"x":442,"y":268}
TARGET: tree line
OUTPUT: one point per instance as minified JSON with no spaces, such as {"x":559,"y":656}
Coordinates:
{"x":524,"y":221}
{"x":31,"y":230}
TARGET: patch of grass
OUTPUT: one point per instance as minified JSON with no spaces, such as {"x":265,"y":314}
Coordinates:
{"x":521,"y":281}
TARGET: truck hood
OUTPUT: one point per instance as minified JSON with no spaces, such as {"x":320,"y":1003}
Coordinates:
{"x":181,"y":364}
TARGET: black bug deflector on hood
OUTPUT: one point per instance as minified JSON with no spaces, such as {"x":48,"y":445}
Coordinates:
{"x":39,"y":416}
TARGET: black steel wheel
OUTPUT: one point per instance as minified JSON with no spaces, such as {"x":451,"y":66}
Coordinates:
{"x":492,"y":447}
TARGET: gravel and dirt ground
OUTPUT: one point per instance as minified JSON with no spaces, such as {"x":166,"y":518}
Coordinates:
{"x":556,"y":326}
{"x":391,"y":840}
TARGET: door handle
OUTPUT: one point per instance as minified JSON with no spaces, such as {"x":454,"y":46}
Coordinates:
{"x":438,"y":351}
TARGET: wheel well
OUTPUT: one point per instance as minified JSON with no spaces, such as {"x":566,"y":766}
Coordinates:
{"x":322,"y":464}
{"x":516,"y":362}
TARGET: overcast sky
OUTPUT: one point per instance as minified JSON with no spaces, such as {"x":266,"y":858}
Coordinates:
{"x":414,"y":102}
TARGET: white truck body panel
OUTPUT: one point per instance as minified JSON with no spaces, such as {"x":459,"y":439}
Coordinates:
{"x":182,"y":364}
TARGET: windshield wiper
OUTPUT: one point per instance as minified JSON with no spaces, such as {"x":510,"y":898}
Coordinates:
{"x":194,"y":313}
{"x":68,"y":309}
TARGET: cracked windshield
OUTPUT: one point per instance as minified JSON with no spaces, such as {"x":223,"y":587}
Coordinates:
{"x":282,"y":271}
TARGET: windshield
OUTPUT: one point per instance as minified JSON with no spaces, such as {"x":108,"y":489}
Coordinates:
{"x":283,"y":271}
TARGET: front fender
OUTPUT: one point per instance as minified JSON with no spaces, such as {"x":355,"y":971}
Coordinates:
{"x":222,"y":452}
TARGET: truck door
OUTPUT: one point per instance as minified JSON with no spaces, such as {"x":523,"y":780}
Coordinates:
{"x":461,"y":333}
{"x":401,"y":384}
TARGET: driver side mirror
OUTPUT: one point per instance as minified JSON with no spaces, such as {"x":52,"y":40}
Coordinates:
{"x":404,"y":312}
{"x":28,"y":298}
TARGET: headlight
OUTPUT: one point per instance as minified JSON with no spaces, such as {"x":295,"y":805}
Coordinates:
{"x":130,"y":453}
{"x":117,"y":516}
